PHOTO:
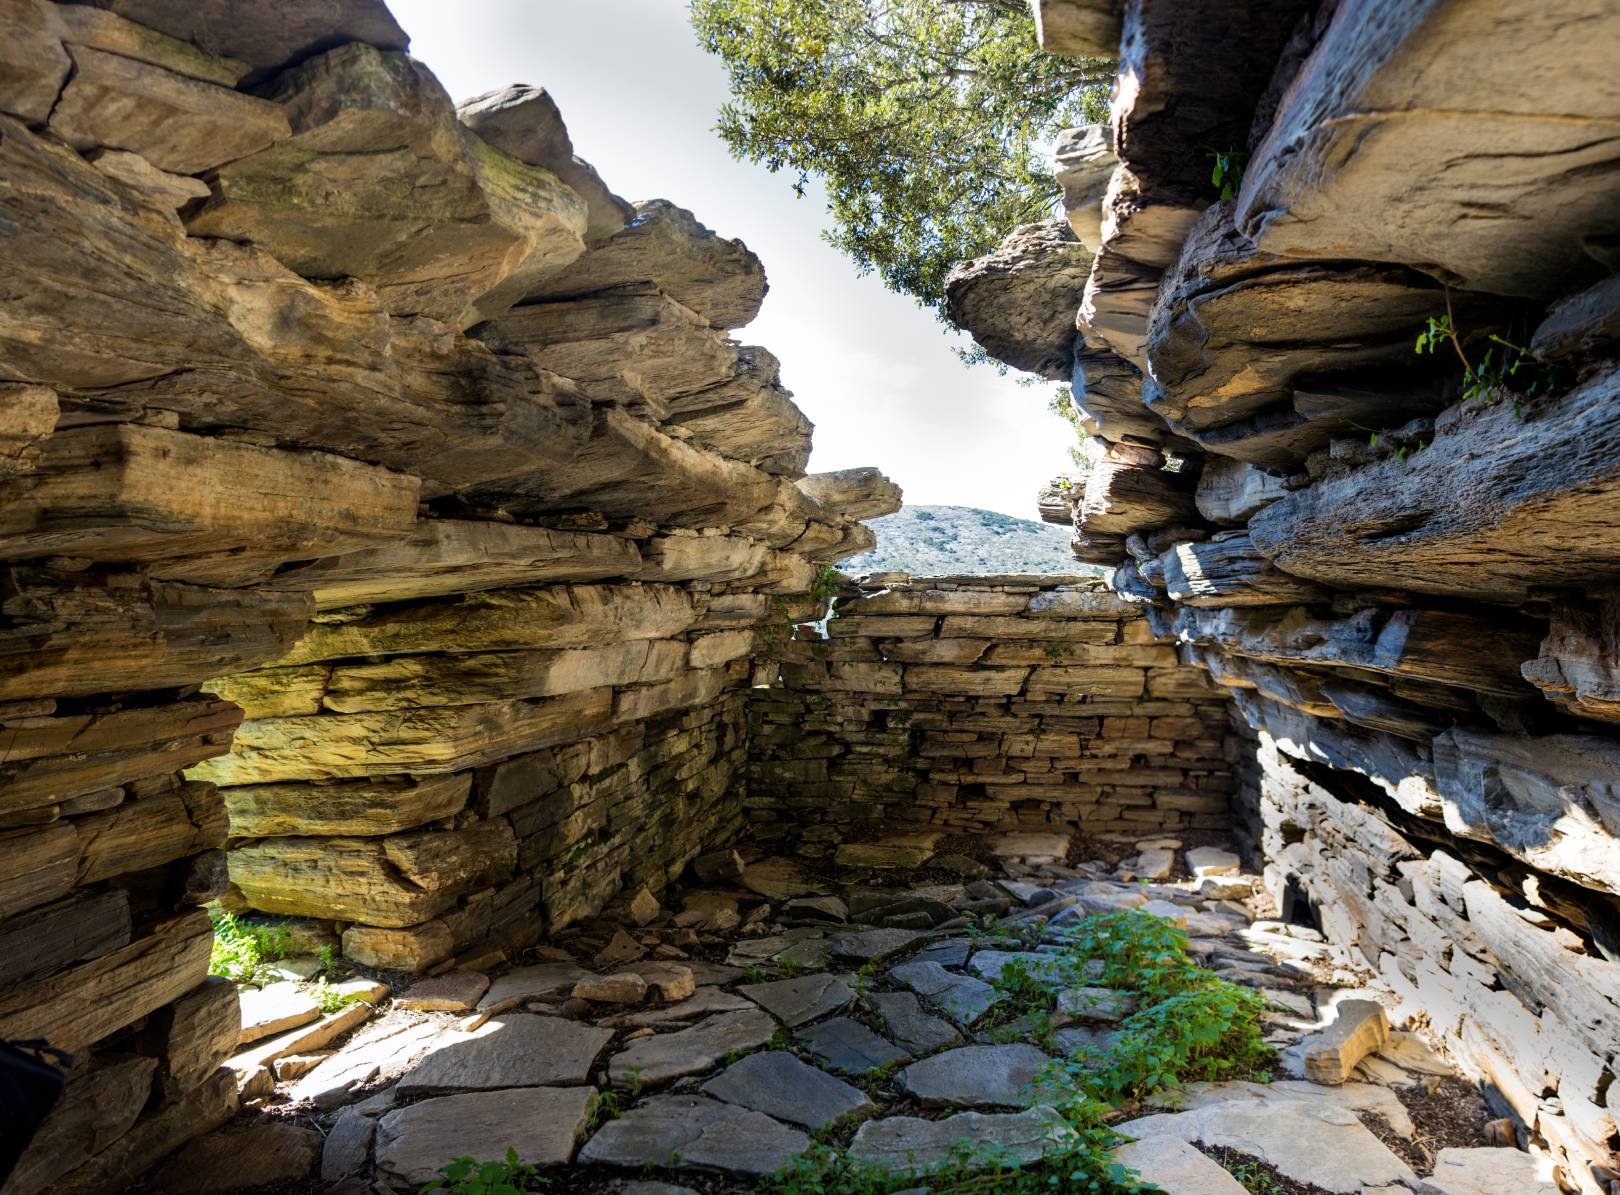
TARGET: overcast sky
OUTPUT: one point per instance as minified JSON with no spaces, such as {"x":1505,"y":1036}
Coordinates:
{"x":871,"y":369}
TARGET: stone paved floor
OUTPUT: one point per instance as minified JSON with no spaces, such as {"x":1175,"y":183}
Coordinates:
{"x":707,"y":1045}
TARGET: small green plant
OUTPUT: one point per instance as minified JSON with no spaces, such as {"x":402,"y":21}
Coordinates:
{"x":240,"y":949}
{"x":1506,"y":370}
{"x":328,"y":998}
{"x":754,"y":973}
{"x":468,"y":1176}
{"x":1227,"y":173}
{"x":327,"y":959}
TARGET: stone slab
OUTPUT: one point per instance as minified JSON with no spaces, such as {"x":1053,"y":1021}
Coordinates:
{"x":778,"y":1084}
{"x":540,"y":1123}
{"x":802,"y":999}
{"x":848,"y":1046}
{"x":911,"y":1145}
{"x":690,"y":1132}
{"x":1000,"y":1076}
{"x":511,"y":1050}
{"x":650,"y":1061}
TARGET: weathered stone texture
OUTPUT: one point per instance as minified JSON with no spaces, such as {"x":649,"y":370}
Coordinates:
{"x":1053,"y":713}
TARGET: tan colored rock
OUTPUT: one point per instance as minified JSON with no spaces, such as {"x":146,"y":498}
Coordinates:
{"x":52,"y":758}
{"x":1130,"y":490}
{"x":412,"y":948}
{"x":150,"y":832}
{"x":201,"y":508}
{"x":1359,"y":1029}
{"x":33,"y":63}
{"x":83,"y":1004}
{"x":73,"y":635}
{"x":454,"y":556}
{"x":632,"y":345}
{"x":439,"y":221}
{"x":174,"y":122}
{"x":625,"y":987}
{"x":719,"y":279}
{"x":344,"y":808}
{"x":427,"y":742}
{"x":101,"y":29}
{"x":506,"y":620}
{"x":164,"y":191}
{"x":853,"y":493}
{"x":362,"y":879}
{"x":413,"y":682}
{"x":1579,"y":663}
{"x":523,"y":122}
{"x":27,"y":419}
{"x":1078,"y":28}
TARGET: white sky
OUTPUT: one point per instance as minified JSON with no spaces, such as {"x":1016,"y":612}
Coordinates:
{"x":871,"y":369}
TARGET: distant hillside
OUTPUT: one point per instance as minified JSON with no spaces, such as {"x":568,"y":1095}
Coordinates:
{"x":941,"y":540}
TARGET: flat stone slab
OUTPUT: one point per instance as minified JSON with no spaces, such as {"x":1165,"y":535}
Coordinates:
{"x":961,"y":997}
{"x":778,"y":1084}
{"x":378,"y":1054}
{"x":883,"y":855}
{"x":913,"y":1026}
{"x":712,"y":974}
{"x":687,"y":1132}
{"x":864,"y":946}
{"x":1095,"y":1006}
{"x":1205,"y":861}
{"x":1032,"y":846}
{"x":779,"y":879}
{"x":953,"y":952}
{"x":515,"y":1049}
{"x":990,"y":964}
{"x":848,"y":1046}
{"x":531,"y":983}
{"x":802,"y":999}
{"x":1309,"y":1141}
{"x":541,"y":1123}
{"x":913,"y":1146}
{"x":1075,"y":1038}
{"x":700,"y":1004}
{"x":457,"y":992}
{"x":1489,"y":1171}
{"x":1153,"y":865}
{"x":665,"y":1056}
{"x":274,"y":1008}
{"x":977,"y":1077}
{"x":1177,"y":1167}
{"x":826,"y":910}
{"x":273,"y":1152}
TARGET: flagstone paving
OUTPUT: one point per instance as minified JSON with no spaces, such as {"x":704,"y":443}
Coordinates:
{"x":698,"y":1045}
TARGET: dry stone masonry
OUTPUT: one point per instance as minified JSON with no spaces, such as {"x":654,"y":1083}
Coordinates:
{"x":960,"y":705}
{"x":397,"y":551}
{"x":1400,"y":564}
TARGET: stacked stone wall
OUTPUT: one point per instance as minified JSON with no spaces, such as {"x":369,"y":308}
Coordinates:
{"x":971,"y":703}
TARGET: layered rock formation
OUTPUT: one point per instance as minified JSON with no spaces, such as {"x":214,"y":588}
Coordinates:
{"x":381,"y":498}
{"x":1401,"y":564}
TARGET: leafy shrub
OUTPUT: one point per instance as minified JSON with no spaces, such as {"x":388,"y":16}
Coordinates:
{"x":241,"y":949}
{"x":468,"y":1176}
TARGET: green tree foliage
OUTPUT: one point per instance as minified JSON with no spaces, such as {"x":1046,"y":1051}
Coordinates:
{"x":928,"y":121}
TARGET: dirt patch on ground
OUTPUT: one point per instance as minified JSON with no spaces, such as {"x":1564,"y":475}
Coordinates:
{"x":1260,"y":1178}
